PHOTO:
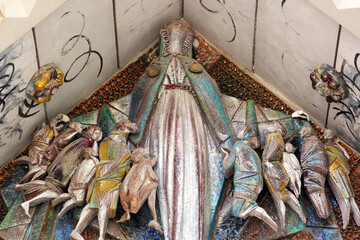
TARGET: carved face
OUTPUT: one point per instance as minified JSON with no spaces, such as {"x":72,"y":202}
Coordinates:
{"x":139,"y":154}
{"x":44,"y":83}
{"x":305,"y":131}
{"x":127,"y":126}
{"x":329,"y":135}
{"x":328,"y":83}
{"x":289,"y":148}
{"x":93,"y":132}
{"x":176,"y":38}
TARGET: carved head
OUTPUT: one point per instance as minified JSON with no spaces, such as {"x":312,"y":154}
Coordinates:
{"x":126,"y":126}
{"x":139,"y":154}
{"x":277,"y":127}
{"x":44,"y":83}
{"x":176,"y":38}
{"x":93,"y":132}
{"x":289,"y":148}
{"x":247,"y":135}
{"x":306,"y":131}
{"x":328,"y":83}
{"x":90,"y":152}
{"x":330,"y":135}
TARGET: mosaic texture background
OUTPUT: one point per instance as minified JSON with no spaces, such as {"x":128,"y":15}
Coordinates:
{"x":231,"y":81}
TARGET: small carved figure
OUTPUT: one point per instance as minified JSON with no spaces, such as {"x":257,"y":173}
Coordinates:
{"x":248,"y":179}
{"x":103,"y":192}
{"x":44,"y":83}
{"x":60,"y":171}
{"x":140,"y":185}
{"x":315,"y":166}
{"x":62,"y":140}
{"x":292,"y":167}
{"x":339,"y":180}
{"x":275,"y":174}
{"x":328,"y":83}
{"x":79,"y":183}
{"x":39,"y":146}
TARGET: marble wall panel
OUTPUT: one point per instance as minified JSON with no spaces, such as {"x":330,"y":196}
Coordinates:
{"x":344,"y":116}
{"x":229,"y":25}
{"x":19,"y":116}
{"x":80,"y":38}
{"x":138,"y":24}
{"x":292,"y":38}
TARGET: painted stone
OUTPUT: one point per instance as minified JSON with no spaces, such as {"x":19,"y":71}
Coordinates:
{"x":328,"y":83}
{"x":44,"y":83}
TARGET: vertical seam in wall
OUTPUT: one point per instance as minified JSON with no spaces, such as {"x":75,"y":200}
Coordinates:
{"x":36,"y":48}
{"x":182,"y":9}
{"x":116,"y":36}
{"x":327,"y":114}
{"x":254,"y":37}
{"x":334,"y":66}
{"x":337,"y":46}
{"x":38,"y":66}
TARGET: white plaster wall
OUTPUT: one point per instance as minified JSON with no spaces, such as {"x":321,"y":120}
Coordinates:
{"x":291,"y":40}
{"x":80,"y":37}
{"x":229,"y":25}
{"x":19,"y":117}
{"x":292,"y":37}
{"x":138,"y":24}
{"x":15,"y":28}
{"x":82,"y":45}
{"x":344,"y":116}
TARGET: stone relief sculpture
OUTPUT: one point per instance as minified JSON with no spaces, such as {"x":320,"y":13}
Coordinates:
{"x":79,"y":183}
{"x":315,"y":168}
{"x":37,"y":159}
{"x":275,"y":174}
{"x":103,"y":194}
{"x":140,"y":185}
{"x":183,"y":127}
{"x":248,"y":181}
{"x":339,"y":180}
{"x":60,"y":171}
{"x":292,"y":167}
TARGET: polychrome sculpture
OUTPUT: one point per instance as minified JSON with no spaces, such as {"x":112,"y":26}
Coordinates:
{"x":276,"y":176}
{"x":248,"y":179}
{"x":60,"y":171}
{"x":38,"y":159}
{"x":177,"y":109}
{"x":140,"y":185}
{"x":103,"y":194}
{"x":79,"y":183}
{"x":188,"y":126}
{"x":44,"y":83}
{"x":315,"y":168}
{"x":292,"y":167}
{"x":339,"y":180}
{"x":329,"y":83}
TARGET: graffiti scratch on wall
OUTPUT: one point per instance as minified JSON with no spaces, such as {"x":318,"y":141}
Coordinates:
{"x":222,"y":9}
{"x":72,"y":42}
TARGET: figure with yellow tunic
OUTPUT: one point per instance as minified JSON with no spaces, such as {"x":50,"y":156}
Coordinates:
{"x":338,"y":178}
{"x":275,"y":174}
{"x":103,"y":193}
